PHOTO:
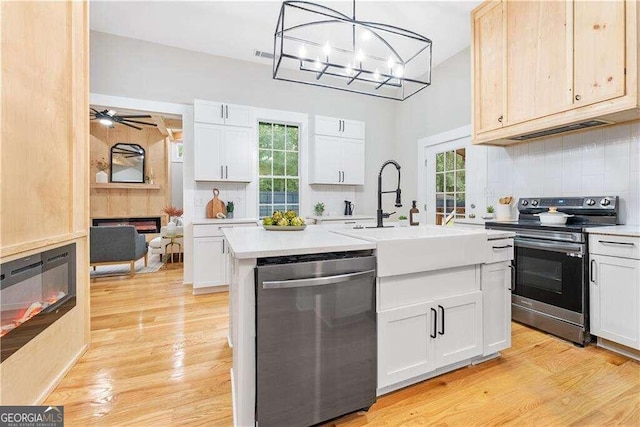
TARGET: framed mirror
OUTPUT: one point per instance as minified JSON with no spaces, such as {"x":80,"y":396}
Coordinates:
{"x":127,"y":163}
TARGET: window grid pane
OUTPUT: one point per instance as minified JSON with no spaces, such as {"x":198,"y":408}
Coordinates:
{"x":278,"y":168}
{"x":450,"y":183}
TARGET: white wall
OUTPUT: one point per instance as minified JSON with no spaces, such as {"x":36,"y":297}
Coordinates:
{"x":597,"y":162}
{"x":132,"y":68}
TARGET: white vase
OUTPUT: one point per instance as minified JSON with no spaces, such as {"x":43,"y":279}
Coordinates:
{"x":102,"y":177}
{"x":171,"y":229}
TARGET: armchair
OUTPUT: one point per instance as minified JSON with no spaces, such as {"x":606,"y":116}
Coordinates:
{"x":116,"y":245}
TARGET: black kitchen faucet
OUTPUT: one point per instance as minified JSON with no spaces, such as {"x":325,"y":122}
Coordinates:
{"x":398,"y":204}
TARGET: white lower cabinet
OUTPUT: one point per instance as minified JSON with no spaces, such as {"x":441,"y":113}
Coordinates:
{"x":458,"y":328}
{"x":404,"y":350}
{"x":209,"y":262}
{"x":614,"y":293}
{"x":496,"y":307}
{"x":416,"y":339}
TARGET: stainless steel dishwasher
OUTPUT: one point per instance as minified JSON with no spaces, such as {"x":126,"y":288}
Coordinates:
{"x":315,"y":337}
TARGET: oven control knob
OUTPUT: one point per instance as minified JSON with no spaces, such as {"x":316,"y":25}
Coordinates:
{"x":534,"y":203}
{"x":605,"y":202}
{"x":525,"y":203}
{"x":590,"y":202}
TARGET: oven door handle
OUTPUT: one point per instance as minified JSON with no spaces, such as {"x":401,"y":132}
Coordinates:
{"x":568,"y":248}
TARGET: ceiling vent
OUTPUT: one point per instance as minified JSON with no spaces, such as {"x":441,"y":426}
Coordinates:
{"x":561,"y":129}
{"x":261,"y":54}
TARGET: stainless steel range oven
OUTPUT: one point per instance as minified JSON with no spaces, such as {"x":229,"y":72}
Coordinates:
{"x":550,"y":289}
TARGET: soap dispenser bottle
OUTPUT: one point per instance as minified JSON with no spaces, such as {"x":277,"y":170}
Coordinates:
{"x":414,"y":211}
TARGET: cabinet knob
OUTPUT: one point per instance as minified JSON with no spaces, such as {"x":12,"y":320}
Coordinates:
{"x":578,"y":97}
{"x":500,"y":119}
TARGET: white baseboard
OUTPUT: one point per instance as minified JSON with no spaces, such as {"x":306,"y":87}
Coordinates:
{"x":619,"y":348}
{"x":210,"y":290}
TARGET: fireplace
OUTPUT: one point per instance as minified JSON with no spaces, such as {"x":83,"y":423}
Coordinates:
{"x":35,"y":291}
{"x":144,"y":225}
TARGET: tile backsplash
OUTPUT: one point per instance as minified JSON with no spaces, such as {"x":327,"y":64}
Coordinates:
{"x":598,"y":162}
{"x":332,"y":196}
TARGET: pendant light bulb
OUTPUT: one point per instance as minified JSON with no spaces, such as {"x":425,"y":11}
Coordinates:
{"x":376,"y":75}
{"x":360,"y":56}
{"x":366,"y":35}
{"x":317,"y":63}
{"x":302,"y":52}
{"x":349,"y":70}
{"x":398,"y":71}
{"x":327,"y":49}
{"x":391,"y":62}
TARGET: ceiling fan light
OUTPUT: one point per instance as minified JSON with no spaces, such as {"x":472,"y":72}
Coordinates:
{"x":106,"y":122}
{"x":111,"y":113}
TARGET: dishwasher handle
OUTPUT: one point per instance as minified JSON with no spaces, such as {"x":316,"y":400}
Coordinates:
{"x":316,"y":281}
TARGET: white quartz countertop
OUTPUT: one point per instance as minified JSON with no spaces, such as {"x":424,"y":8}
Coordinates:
{"x":256,"y":242}
{"x":224,"y":221}
{"x":616,"y":230}
{"x":340,"y":217}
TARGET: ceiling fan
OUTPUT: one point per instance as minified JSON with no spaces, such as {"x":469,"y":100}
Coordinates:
{"x":110,"y":118}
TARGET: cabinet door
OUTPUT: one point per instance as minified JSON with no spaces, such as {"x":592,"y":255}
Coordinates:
{"x":325,"y":158}
{"x":328,"y":126}
{"x":352,"y":129}
{"x":352,"y":161}
{"x":614,"y":294}
{"x":539,"y":58}
{"x":208,"y":262}
{"x":237,"y":154}
{"x":208,"y":140}
{"x":208,"y":112}
{"x":237,"y":115}
{"x":404,"y":350}
{"x":459,"y":328}
{"x":599,"y":50}
{"x":489,"y":65}
{"x":496,"y":307}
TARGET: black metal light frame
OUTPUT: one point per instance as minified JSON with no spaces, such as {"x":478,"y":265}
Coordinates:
{"x":360,"y":74}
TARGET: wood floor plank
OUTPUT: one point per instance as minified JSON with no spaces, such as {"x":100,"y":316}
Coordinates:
{"x":159,"y":356}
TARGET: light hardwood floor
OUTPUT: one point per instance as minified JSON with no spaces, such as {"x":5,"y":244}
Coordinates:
{"x":159,"y":356}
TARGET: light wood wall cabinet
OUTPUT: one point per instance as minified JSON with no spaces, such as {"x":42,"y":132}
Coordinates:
{"x":546,"y":67}
{"x":44,"y":167}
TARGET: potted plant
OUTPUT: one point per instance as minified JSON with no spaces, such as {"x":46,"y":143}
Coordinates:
{"x":230,"y":208}
{"x":319,"y":208}
{"x":103,"y":166}
{"x":490,"y":212}
{"x":404,"y":222}
{"x":174,"y":213}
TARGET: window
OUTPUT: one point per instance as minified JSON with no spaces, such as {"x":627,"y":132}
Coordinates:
{"x":450,"y":184}
{"x":278,"y":168}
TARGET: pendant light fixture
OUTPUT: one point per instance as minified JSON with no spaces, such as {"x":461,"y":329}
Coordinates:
{"x":319,"y":46}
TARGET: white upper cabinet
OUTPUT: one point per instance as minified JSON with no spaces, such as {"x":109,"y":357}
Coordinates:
{"x":221,"y":114}
{"x":332,"y":126}
{"x":222,"y":153}
{"x":337,"y":152}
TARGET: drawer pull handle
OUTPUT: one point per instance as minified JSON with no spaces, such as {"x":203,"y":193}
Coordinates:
{"x":435,"y":321}
{"x":502,"y":247}
{"x":593,"y":269}
{"x":349,"y":222}
{"x":608,"y":242}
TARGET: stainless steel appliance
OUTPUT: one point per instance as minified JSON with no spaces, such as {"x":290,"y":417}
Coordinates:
{"x":316,"y":351}
{"x":550,"y":282}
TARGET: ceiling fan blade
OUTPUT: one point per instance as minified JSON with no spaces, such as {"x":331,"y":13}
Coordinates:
{"x":136,"y":121}
{"x":135,"y":116}
{"x":131,"y":126}
{"x":94,"y":110}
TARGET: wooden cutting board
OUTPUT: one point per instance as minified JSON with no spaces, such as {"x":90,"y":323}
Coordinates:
{"x":215,"y":205}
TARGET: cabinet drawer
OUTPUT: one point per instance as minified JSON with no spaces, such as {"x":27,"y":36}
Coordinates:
{"x":618,"y":246}
{"x":499,"y":250}
{"x":215,"y":230}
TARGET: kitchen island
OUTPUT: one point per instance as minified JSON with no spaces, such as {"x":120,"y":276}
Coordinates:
{"x":470,"y":290}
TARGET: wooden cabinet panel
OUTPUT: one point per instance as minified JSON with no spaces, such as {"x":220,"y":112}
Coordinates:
{"x":208,"y":140}
{"x":496,"y":307}
{"x":209,"y":262}
{"x":489,"y":56}
{"x":328,"y":126}
{"x":352,"y":162}
{"x":599,"y":49}
{"x":539,"y":58}
{"x":208,"y":112}
{"x":353,"y":129}
{"x":237,"y":115}
{"x":237,"y":154}
{"x":325,"y":157}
